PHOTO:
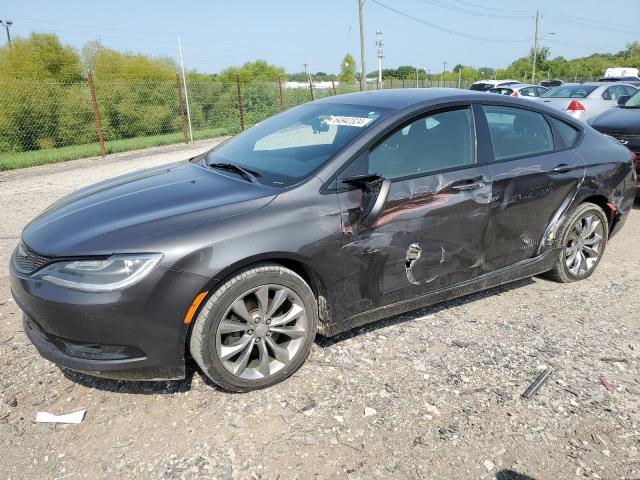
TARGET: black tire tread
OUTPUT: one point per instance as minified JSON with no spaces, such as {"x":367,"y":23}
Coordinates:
{"x":558,"y":273}
{"x":198,"y":339}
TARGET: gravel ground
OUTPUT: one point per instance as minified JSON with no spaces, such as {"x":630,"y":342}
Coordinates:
{"x":435,"y":393}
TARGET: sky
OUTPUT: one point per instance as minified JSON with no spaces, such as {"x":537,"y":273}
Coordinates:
{"x":216,"y":34}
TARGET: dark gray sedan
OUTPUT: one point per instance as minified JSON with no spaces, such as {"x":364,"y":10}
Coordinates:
{"x":327,"y":216}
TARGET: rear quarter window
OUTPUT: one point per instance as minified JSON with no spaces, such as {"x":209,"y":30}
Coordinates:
{"x":569,"y":133}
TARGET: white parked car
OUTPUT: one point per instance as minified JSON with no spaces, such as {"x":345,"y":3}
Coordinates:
{"x":587,"y":100}
{"x":621,"y":72}
{"x":520,"y":90}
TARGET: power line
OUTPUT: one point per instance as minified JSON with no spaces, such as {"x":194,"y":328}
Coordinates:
{"x":596,"y":22}
{"x":562,"y":42}
{"x":442,"y":29}
{"x":581,"y":24}
{"x":484,"y":7}
{"x":467,"y":11}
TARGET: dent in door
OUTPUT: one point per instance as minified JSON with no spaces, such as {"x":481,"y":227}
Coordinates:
{"x":404,"y":250}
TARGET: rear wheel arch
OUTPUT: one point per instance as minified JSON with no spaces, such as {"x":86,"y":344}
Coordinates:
{"x":601,"y":201}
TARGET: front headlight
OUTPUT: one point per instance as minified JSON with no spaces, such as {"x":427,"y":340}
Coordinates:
{"x":105,"y":275}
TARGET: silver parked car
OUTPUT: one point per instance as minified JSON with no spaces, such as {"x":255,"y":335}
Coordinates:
{"x":520,"y":90}
{"x":587,"y":100}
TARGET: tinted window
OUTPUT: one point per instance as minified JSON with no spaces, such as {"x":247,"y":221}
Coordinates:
{"x":517,"y":133}
{"x":570,"y":91}
{"x":483,"y":87}
{"x":440,"y":141}
{"x":527,"y":92}
{"x":541,"y":90}
{"x":613,"y":93}
{"x":568,"y":132}
{"x":289,"y":147}
{"x":629,"y":90}
{"x":502,"y":91}
{"x":634,"y":102}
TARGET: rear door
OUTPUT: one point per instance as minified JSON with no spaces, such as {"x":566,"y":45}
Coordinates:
{"x":430,"y":234}
{"x":534,"y":174}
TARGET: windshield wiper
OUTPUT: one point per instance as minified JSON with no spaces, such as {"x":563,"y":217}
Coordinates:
{"x":243,"y":172}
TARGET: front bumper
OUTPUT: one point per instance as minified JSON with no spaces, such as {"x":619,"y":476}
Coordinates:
{"x":132,"y":334}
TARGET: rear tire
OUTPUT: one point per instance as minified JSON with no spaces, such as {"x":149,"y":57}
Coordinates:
{"x":582,"y":238}
{"x":256,"y":329}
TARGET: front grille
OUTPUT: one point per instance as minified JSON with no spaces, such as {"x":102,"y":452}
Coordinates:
{"x":27,"y":261}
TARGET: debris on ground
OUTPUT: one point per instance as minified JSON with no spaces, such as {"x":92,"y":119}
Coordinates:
{"x":537,"y":383}
{"x":46,"y":417}
{"x":607,"y":384}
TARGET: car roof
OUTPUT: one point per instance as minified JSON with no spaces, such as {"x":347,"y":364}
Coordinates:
{"x":495,"y":82}
{"x":600,"y":84}
{"x":404,"y":98}
{"x":400,"y":98}
{"x":520,"y":86}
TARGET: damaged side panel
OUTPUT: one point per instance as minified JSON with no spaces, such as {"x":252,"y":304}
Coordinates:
{"x":430,"y":235}
{"x":528,"y":196}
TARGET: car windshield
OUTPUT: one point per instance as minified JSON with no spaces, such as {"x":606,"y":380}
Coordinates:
{"x":570,"y":91}
{"x":288,"y":148}
{"x":634,"y":101}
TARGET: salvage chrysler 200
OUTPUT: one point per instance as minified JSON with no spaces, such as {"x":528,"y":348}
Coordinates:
{"x":322,"y":218}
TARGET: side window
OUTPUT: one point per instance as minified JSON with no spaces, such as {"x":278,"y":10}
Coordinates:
{"x":629,"y":91}
{"x":436,"y":142}
{"x":613,"y":93}
{"x":527,"y":92}
{"x":541,"y":91}
{"x":516,"y":132}
{"x":568,"y":132}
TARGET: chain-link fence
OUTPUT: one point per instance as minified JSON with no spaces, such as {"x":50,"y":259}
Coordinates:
{"x":43,"y":122}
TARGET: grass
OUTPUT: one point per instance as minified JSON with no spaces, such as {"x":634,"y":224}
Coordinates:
{"x":11,"y":161}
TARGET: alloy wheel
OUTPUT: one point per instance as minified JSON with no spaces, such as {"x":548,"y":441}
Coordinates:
{"x":583,"y":249}
{"x":261,"y":332}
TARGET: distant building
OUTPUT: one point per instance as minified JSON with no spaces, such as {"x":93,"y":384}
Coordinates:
{"x":316,"y":85}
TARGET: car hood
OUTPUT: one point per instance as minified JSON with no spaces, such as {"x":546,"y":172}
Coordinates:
{"x":623,"y":120}
{"x":123,"y":213}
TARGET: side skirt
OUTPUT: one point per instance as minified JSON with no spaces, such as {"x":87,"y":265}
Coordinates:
{"x":523,"y":269}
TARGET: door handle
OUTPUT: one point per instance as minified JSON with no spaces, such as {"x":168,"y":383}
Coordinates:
{"x":466,"y":185}
{"x":562,"y":168}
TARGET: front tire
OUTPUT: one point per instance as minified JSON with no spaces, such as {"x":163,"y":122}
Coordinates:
{"x":256,"y":329}
{"x":582,"y":238}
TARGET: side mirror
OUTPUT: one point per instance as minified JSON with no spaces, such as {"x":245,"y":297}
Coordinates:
{"x":623,"y":99}
{"x":376,"y":190}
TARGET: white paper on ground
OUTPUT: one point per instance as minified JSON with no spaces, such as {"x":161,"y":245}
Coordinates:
{"x":46,"y":417}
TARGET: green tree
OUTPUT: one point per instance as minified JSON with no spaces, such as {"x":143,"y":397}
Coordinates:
{"x":40,"y":56}
{"x":107,"y":62}
{"x":258,"y":71}
{"x":347,"y":69}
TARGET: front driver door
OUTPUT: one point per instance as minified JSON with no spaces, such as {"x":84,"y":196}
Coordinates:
{"x":430,"y":234}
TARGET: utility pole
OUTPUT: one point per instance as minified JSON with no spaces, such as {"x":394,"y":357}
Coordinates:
{"x":307,"y":70}
{"x":7,"y":24}
{"x":363,"y":72}
{"x":459,"y":76}
{"x":184,"y":84}
{"x":444,"y":69}
{"x":379,"y":44}
{"x":535,"y":48}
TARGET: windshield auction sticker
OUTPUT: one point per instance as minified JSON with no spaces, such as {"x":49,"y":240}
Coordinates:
{"x":348,"y":121}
